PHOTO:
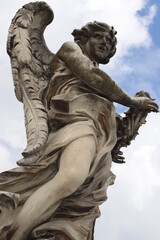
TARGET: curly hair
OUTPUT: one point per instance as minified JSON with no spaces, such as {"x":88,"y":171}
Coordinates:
{"x":82,"y":35}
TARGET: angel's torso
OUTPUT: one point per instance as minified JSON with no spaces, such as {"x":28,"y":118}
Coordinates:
{"x":70,"y":98}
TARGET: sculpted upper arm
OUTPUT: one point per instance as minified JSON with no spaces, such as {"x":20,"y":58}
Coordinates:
{"x":73,"y":57}
{"x":78,"y":63}
{"x":68,"y":48}
{"x":82,"y":67}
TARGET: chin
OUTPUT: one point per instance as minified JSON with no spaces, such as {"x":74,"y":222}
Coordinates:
{"x":102,"y":59}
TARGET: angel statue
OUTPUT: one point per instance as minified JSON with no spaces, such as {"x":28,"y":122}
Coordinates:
{"x":73,"y":132}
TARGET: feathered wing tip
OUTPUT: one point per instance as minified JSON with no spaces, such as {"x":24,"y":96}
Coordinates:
{"x":31,"y":69}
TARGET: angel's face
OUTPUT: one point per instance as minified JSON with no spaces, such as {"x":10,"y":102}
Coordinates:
{"x":98,"y":46}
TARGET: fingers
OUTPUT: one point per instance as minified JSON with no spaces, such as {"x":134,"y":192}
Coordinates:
{"x":154,"y":104}
{"x":146,"y":104}
{"x":118,"y":158}
{"x":153,"y":108}
{"x":150,"y":105}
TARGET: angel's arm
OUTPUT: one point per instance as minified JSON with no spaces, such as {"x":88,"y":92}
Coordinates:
{"x":82,"y":67}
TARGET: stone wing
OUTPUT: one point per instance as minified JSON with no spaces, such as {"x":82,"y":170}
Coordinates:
{"x":31,"y":69}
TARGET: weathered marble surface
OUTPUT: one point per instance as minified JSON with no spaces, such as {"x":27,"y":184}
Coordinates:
{"x":73,"y":131}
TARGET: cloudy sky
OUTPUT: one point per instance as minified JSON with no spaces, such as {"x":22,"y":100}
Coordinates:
{"x":132,"y":211}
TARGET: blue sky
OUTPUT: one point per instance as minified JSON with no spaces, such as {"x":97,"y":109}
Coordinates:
{"x":132,"y":210}
{"x":154,"y":29}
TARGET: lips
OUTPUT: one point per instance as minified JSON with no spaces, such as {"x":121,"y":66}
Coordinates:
{"x":102,"y":48}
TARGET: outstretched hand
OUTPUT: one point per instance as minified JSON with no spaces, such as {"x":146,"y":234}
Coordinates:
{"x":145,"y":103}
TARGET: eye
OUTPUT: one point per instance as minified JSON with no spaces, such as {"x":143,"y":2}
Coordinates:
{"x":98,"y":36}
{"x":108,"y":40}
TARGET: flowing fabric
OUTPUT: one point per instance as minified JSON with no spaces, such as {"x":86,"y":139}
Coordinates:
{"x":75,"y":110}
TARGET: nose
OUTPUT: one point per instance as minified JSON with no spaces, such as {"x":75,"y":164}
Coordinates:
{"x":104,"y":40}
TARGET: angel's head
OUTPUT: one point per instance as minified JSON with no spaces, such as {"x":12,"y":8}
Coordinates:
{"x":97,"y":40}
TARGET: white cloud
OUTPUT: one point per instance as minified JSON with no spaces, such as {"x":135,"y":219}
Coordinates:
{"x":132,"y":27}
{"x":5,"y":159}
{"x":12,"y":132}
{"x":148,"y":19}
{"x":133,"y":200}
{"x":145,"y":176}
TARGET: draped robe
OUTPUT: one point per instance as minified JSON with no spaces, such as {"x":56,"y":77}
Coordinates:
{"x":75,"y":110}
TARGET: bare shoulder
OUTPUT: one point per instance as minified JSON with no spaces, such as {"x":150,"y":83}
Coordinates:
{"x":69,"y":47}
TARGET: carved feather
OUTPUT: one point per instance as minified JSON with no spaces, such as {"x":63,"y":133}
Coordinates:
{"x":31,"y":64}
{"x":22,"y":45}
{"x":35,"y":118}
{"x":15,"y":74}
